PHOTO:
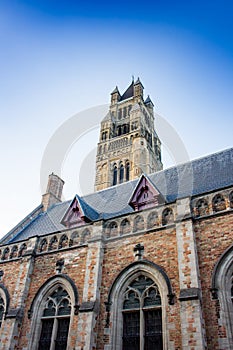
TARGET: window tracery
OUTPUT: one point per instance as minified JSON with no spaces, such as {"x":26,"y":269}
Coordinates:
{"x":142,"y":315}
{"x":55,"y":320}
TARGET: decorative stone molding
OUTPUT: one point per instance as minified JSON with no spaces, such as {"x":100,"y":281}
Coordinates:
{"x":190,"y":294}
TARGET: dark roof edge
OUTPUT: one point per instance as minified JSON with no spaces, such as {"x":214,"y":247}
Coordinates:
{"x":22,"y":224}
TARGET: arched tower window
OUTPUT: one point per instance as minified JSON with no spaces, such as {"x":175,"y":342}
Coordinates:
{"x":127,"y":169}
{"x":114,"y":175}
{"x":121,"y":173}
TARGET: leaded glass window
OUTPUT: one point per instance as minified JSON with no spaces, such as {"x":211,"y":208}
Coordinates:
{"x":121,"y":173}
{"x":142,"y":315}
{"x":127,"y":172}
{"x":55,"y":321}
{"x":2,"y":310}
{"x":114,"y":175}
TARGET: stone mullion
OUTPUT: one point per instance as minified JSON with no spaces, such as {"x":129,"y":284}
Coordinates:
{"x":192,"y":325}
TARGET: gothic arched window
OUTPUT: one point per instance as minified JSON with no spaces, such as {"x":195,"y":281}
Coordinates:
{"x":136,"y":308}
{"x":52,"y":313}
{"x":127,"y":169}
{"x":222,"y":289}
{"x":4,"y":303}
{"x":121,"y":173}
{"x":142,"y":315}
{"x":114,"y":175}
{"x":55,"y":320}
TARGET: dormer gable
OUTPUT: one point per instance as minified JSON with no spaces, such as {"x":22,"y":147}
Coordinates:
{"x":78,"y":213}
{"x":145,"y":195}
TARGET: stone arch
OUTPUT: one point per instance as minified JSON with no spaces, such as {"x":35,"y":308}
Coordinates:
{"x":138,"y":223}
{"x":53,"y":244}
{"x":152,"y":220}
{"x":14,"y":252}
{"x":35,"y":312}
{"x":201,"y":207}
{"x":63,"y":242}
{"x":218,"y":203}
{"x":74,"y":239}
{"x":22,"y":250}
{"x":167,"y":216}
{"x":112,"y":229}
{"x":114,"y":304}
{"x":85,"y":233}
{"x":6,"y":253}
{"x":43,"y":245}
{"x":125,"y":226}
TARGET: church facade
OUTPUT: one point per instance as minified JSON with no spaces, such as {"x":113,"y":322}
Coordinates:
{"x":144,"y":263}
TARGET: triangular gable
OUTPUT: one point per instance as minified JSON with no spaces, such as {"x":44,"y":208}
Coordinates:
{"x":145,"y":195}
{"x":78,"y":213}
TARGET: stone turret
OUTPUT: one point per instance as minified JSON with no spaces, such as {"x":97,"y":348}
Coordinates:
{"x":53,"y":193}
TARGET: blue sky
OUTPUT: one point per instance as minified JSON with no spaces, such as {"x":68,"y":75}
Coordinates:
{"x":62,"y":57}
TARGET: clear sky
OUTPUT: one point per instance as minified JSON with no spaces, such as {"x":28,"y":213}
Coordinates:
{"x":59,"y":58}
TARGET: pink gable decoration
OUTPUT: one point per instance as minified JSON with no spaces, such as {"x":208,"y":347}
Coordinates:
{"x":145,"y":195}
{"x":74,"y":215}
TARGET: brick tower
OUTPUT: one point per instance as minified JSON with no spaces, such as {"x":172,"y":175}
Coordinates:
{"x":128,"y":144}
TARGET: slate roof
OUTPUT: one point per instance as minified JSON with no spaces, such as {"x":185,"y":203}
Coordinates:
{"x":128,"y":93}
{"x":189,"y":179}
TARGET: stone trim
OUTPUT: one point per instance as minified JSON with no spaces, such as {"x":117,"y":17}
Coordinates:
{"x":190,"y":294}
{"x":113,"y":321}
{"x":62,"y":278}
{"x":170,"y":294}
{"x":87,"y":306}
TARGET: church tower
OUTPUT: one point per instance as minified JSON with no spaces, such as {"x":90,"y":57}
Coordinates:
{"x":128,"y":144}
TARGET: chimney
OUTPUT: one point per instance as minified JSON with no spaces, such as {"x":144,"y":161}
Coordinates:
{"x":53,"y":193}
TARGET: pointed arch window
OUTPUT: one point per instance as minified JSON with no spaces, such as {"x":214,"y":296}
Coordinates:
{"x":142,"y":315}
{"x":121,"y":173}
{"x":114,"y":175}
{"x":55,"y":320}
{"x":127,"y":169}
